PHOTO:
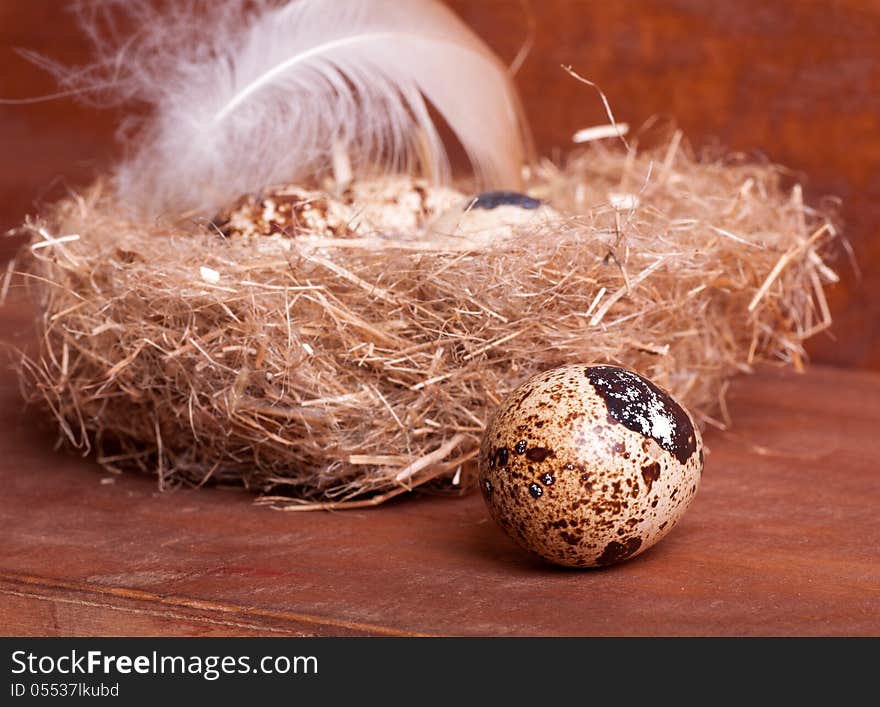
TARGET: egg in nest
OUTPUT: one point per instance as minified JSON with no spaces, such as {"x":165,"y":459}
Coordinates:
{"x":287,"y":211}
{"x":397,"y":205}
{"x":394,"y":206}
{"x":493,"y":215}
{"x":589,"y":465}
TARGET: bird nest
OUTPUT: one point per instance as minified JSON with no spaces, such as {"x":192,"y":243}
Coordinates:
{"x":329,"y":368}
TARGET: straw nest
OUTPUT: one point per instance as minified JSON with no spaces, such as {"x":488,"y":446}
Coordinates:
{"x":328,"y":370}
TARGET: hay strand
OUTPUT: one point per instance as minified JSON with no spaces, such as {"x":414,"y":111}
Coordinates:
{"x":333,"y":373}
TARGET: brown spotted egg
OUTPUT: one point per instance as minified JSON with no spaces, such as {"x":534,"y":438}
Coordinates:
{"x":493,"y":215}
{"x":286,"y":211}
{"x":398,"y":206}
{"x":588,"y":465}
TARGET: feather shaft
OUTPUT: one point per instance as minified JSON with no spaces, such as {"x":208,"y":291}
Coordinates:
{"x":285,"y":66}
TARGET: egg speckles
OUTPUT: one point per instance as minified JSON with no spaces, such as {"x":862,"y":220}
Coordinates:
{"x":589,"y":465}
{"x":397,"y":205}
{"x":491,"y":200}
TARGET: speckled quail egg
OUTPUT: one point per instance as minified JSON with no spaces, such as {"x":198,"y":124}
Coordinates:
{"x":287,"y":211}
{"x":393,"y":206}
{"x":397,"y":205}
{"x":493,"y":215}
{"x":589,"y":465}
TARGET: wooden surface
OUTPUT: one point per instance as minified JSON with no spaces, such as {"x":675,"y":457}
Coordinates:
{"x":798,"y":82}
{"x":783,"y":539}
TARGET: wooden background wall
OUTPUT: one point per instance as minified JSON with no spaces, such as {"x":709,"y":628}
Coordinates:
{"x":795,"y":80}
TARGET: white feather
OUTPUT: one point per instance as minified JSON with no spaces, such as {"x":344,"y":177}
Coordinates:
{"x":241,"y":95}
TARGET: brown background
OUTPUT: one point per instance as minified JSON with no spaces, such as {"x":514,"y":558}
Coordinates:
{"x":784,"y":538}
{"x":797,"y":82}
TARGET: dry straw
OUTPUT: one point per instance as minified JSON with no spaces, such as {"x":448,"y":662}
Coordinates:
{"x":327,"y":372}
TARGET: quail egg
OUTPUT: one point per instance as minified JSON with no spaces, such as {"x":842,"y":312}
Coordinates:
{"x":397,"y":205}
{"x":287,"y":211}
{"x":589,"y":465}
{"x":493,"y":215}
{"x":394,"y":206}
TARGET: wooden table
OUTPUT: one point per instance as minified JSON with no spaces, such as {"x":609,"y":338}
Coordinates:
{"x":784,"y":538}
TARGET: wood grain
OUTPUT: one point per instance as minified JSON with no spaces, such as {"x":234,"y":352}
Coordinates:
{"x":797,"y":82}
{"x":783,"y":539}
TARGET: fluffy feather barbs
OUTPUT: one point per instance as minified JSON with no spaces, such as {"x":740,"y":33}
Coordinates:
{"x":242,"y":95}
